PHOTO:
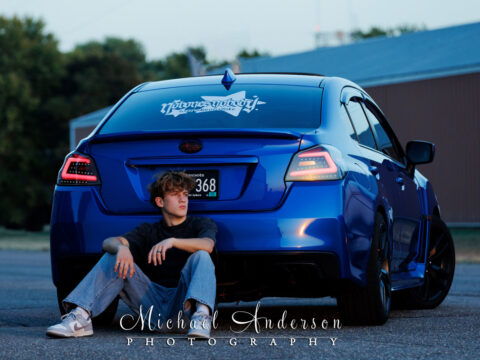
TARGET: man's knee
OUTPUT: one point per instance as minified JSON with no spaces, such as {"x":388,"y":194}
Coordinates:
{"x":199,"y":266}
{"x":107,"y":257}
{"x":201,"y":254}
{"x":107,"y":261}
{"x":200,"y":257}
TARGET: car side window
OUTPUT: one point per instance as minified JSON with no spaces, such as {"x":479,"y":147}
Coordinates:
{"x":360,"y":124}
{"x":384,"y":142}
{"x":348,"y":123}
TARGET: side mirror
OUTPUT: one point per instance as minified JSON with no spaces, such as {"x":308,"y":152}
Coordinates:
{"x":420,"y":152}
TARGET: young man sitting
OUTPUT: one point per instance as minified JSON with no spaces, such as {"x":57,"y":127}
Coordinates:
{"x":165,"y":265}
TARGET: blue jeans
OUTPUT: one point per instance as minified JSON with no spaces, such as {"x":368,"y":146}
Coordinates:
{"x":102,"y":285}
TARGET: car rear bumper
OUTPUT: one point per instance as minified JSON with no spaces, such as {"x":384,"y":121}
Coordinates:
{"x":309,"y":221}
{"x":249,"y":276}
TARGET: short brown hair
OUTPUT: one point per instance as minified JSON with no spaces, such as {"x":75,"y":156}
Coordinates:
{"x":169,"y":181}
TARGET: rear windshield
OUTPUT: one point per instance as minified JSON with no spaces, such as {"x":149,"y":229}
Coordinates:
{"x":214,"y":107}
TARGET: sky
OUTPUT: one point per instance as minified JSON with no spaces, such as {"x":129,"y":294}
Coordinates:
{"x":225,"y":27}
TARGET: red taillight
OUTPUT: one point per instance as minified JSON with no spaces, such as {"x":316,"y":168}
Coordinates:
{"x":78,"y":170}
{"x":313,"y":164}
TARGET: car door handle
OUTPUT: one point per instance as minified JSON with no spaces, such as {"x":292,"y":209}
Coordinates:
{"x":373,"y":170}
{"x":399,"y":180}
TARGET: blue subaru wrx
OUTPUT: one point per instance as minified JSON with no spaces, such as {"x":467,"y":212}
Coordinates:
{"x":312,"y":193}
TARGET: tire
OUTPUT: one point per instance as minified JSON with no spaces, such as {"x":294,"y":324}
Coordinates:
{"x":103,"y":319}
{"x":370,"y":305}
{"x":439,"y":271}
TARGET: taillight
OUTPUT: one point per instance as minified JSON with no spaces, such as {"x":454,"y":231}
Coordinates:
{"x":78,"y":170}
{"x":312,"y":165}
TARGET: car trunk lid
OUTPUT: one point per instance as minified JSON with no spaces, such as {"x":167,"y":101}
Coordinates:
{"x":250,"y":170}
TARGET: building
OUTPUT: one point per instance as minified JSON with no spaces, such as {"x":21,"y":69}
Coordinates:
{"x":82,"y":126}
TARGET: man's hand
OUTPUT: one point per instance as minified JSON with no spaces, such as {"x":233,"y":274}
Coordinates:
{"x":157,"y":254}
{"x":124,"y":262}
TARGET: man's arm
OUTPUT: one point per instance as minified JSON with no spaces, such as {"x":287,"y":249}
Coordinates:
{"x":119,"y":245}
{"x":112,"y":244}
{"x":157,"y":253}
{"x":194,"y":244}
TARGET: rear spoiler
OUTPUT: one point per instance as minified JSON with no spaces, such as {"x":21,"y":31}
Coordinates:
{"x":215,"y":133}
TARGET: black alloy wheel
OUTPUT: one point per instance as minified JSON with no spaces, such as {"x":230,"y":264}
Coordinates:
{"x":370,"y":305}
{"x":439,"y":271}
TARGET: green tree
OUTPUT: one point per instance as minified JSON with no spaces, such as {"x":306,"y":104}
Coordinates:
{"x":199,"y":53}
{"x":372,"y":32}
{"x":100,"y":73}
{"x":252,"y":54}
{"x":31,"y":68}
{"x":244,"y":54}
{"x":176,"y":65}
{"x":377,"y":31}
{"x":406,"y":28}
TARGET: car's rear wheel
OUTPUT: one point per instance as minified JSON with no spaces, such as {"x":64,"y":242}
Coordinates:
{"x":439,"y":271}
{"x":103,"y":319}
{"x":370,"y":305}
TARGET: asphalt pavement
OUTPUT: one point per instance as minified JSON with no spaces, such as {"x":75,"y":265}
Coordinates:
{"x":28,"y":306}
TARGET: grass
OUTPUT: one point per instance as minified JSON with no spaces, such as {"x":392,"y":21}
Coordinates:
{"x":467,"y":242}
{"x":24,"y":240}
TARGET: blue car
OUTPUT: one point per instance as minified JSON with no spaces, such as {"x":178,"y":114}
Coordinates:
{"x":312,"y":193}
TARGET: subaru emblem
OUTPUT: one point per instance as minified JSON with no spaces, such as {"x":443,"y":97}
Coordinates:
{"x":190,"y":146}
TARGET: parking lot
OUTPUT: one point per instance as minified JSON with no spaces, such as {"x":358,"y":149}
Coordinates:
{"x":28,"y":306}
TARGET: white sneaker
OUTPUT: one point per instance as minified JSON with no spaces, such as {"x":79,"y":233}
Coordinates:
{"x":73,"y":325}
{"x":201,"y":324}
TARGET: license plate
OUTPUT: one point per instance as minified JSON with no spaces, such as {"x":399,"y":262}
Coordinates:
{"x":206,"y":184}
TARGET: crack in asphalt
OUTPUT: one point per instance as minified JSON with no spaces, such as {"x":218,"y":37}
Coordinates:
{"x":465,"y":294}
{"x":15,"y":324}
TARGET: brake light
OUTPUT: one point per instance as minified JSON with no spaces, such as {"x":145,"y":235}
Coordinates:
{"x":78,"y":170}
{"x":313,"y":165}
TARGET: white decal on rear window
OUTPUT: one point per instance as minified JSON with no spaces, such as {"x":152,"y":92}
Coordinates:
{"x":231,"y":104}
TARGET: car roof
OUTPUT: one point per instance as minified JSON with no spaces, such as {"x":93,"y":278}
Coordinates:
{"x":299,"y":79}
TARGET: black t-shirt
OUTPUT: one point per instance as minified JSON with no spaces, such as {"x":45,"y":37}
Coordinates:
{"x":146,"y":235}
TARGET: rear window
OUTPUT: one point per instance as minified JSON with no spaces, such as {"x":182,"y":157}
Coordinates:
{"x":214,"y":107}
